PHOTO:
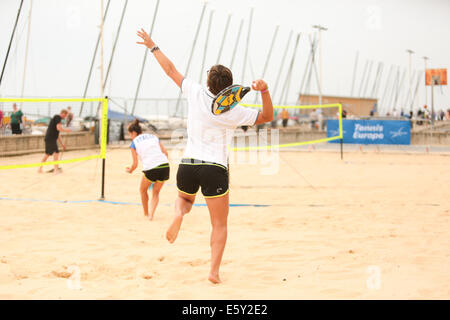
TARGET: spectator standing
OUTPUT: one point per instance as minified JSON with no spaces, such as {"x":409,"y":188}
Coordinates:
{"x":69,"y":116}
{"x":1,"y":119}
{"x":313,"y":118}
{"x":275,"y":118}
{"x":285,"y":117}
{"x":17,"y":119}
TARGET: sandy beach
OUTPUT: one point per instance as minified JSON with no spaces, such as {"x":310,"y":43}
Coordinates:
{"x":374,"y":226}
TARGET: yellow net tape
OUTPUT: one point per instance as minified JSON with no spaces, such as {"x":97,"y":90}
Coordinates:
{"x":340,"y":136}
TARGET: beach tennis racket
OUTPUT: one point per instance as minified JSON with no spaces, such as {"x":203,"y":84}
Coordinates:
{"x":228,"y":98}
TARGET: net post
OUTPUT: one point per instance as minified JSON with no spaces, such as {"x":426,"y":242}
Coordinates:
{"x":342,"y":149}
{"x":103,"y":143}
{"x":102,"y":197}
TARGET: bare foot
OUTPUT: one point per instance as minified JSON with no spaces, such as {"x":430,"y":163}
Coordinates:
{"x":214,"y":278}
{"x":40,"y":170}
{"x":150,"y":217}
{"x":172,"y":232}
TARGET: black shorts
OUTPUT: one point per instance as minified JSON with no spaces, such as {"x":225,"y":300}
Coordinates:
{"x":15,"y":128}
{"x":160,"y":173}
{"x":51,"y":146}
{"x":212,"y":177}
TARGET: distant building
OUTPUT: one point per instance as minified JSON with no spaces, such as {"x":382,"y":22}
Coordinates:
{"x":353,"y":106}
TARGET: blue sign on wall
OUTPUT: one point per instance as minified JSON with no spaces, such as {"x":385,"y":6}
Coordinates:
{"x":371,"y":131}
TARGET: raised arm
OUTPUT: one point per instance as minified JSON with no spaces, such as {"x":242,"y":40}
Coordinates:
{"x":164,"y":62}
{"x":267,"y":108}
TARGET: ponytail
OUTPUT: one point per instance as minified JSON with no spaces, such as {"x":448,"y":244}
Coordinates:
{"x":135,"y":127}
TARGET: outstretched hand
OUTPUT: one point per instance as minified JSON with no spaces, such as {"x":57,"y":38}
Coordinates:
{"x":148,"y":42}
{"x":259,"y":85}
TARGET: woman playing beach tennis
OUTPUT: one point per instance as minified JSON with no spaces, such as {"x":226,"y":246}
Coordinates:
{"x":155,"y":165}
{"x":205,"y":159}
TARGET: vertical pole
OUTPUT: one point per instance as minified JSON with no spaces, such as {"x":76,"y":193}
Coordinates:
{"x":419,"y":76}
{"x":399,"y":90}
{"x":372,"y":95}
{"x":291,"y":66}
{"x":102,"y":197}
{"x":103,"y":138}
{"x":425,"y":59}
{"x":362,"y":80}
{"x":192,"y":52}
{"x":268,"y":56}
{"x":354,"y":73}
{"x":144,"y":60}
{"x":223,"y":38}
{"x":432,"y":108}
{"x":93,"y":59}
{"x":409,"y":73}
{"x":385,"y":92}
{"x":248,"y":43}
{"x":303,"y":79}
{"x":342,"y":149}
{"x":320,"y":66}
{"x":369,"y":73}
{"x":282,"y":64}
{"x":266,"y":64}
{"x":113,"y":49}
{"x":102,"y":21}
{"x":26,"y":50}
{"x":377,"y":89}
{"x":206,"y":44}
{"x":241,"y":25}
{"x":10,"y":41}
{"x":320,"y":29}
{"x":313,"y":67}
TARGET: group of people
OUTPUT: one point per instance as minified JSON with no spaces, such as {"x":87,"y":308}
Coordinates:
{"x":17,"y":120}
{"x":422,"y":114}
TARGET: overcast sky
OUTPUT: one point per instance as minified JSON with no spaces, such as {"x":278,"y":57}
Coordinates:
{"x":64,"y":33}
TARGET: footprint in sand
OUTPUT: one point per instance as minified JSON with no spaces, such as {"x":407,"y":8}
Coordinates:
{"x":196,"y":262}
{"x":61,"y":274}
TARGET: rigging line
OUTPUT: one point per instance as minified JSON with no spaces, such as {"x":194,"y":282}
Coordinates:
{"x":10,"y":41}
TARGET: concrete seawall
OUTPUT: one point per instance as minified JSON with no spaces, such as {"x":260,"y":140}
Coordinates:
{"x":24,"y":144}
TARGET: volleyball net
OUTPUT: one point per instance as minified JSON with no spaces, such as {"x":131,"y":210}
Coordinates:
{"x":305,"y":118}
{"x":25,"y":122}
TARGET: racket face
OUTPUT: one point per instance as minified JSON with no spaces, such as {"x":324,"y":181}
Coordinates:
{"x":228,"y":98}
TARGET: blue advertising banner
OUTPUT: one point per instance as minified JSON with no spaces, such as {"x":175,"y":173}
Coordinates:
{"x":371,"y":131}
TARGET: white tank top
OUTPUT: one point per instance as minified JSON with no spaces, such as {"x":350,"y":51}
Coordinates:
{"x":149,"y":151}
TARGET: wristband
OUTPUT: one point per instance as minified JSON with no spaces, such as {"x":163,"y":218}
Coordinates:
{"x":154,"y":49}
{"x":265,"y":90}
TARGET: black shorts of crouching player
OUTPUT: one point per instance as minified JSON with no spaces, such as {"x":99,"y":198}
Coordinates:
{"x":161,"y":173}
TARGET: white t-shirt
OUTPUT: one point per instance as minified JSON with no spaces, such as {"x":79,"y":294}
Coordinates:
{"x":210,"y":135}
{"x":149,"y":151}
